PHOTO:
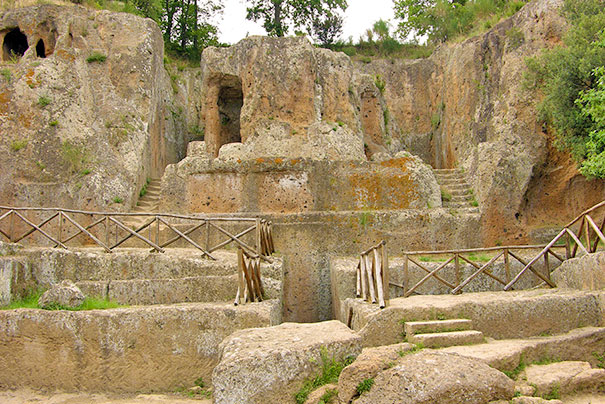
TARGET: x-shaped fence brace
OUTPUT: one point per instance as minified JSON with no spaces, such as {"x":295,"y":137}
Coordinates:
{"x":263,"y":233}
{"x":588,"y":230}
{"x":250,"y":286}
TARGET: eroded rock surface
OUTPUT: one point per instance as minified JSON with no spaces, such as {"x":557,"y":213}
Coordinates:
{"x":268,"y":365}
{"x":64,"y":294}
{"x":436,"y":377}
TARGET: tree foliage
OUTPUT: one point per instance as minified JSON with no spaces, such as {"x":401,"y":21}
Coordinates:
{"x":440,"y":20}
{"x":592,"y":104}
{"x":569,"y":73}
{"x":278,"y":16}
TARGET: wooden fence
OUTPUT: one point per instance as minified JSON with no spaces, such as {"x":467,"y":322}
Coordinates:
{"x":250,"y":285}
{"x":373,"y":275}
{"x":67,"y":227}
{"x":586,"y":229}
{"x":582,"y":234}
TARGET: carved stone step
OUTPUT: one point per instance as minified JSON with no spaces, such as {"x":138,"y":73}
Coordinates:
{"x":445,"y":339}
{"x":423,"y":327}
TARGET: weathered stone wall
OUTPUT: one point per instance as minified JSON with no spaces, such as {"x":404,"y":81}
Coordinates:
{"x":70,"y":124}
{"x":517,"y":314}
{"x":466,"y":106}
{"x":583,"y":273}
{"x":154,"y":348}
{"x":281,"y":185}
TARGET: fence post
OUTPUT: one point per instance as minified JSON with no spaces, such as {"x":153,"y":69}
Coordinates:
{"x":405,"y":275}
{"x":506,"y":265}
{"x":60,"y":225}
{"x":547,"y":264}
{"x":567,"y":246}
{"x":11,"y":229}
{"x":457,"y":266}
{"x":385,"y":273}
{"x":258,"y":237}
{"x":107,"y":231}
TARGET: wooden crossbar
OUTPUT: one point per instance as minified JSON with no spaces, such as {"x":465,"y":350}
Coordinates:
{"x":429,"y":275}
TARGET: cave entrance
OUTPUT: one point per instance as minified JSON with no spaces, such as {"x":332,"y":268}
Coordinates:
{"x":14,"y":45}
{"x":230,"y":102}
{"x":40,"y":49}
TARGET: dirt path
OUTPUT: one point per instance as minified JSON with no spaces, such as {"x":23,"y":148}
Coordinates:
{"x":32,"y":397}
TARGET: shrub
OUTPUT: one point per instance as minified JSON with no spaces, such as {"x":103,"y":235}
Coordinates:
{"x":364,"y":386}
{"x":96,"y":57}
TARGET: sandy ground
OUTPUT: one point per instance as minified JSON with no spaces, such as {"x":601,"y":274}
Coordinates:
{"x":32,"y":397}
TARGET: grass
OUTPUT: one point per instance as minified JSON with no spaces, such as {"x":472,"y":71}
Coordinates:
{"x":432,"y":259}
{"x":53,"y":123}
{"x":44,"y":100}
{"x":328,"y":396}
{"x":330,"y":370}
{"x":380,"y":83}
{"x":117,"y":199}
{"x":600,"y":359}
{"x":446,"y":195}
{"x":364,"y":386}
{"x":30,"y":301}
{"x":514,"y":374}
{"x":7,"y":74}
{"x":77,"y":157}
{"x":96,"y":57}
{"x":554,"y":393}
{"x":415,"y":348}
{"x":17,"y":145}
{"x":143,"y":190}
{"x":479,"y":258}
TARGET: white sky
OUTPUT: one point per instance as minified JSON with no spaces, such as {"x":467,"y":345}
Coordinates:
{"x":360,"y":16}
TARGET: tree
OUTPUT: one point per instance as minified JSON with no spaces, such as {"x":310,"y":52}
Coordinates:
{"x":186,"y":25}
{"x":327,"y":29}
{"x":592,"y":105}
{"x":567,"y":73}
{"x":279,"y":15}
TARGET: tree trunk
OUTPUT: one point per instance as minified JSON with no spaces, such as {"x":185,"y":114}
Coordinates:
{"x":277,"y":23}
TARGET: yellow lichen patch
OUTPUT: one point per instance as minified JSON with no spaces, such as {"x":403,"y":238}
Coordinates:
{"x":279,"y":161}
{"x":381,"y":190}
{"x":294,"y":161}
{"x":25,"y":119}
{"x":260,"y":160}
{"x":63,"y":54}
{"x":400,"y":163}
{"x":5,"y":99}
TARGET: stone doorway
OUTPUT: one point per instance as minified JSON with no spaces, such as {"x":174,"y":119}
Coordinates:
{"x":230,"y":101}
{"x":14,"y":44}
{"x":223,"y":111}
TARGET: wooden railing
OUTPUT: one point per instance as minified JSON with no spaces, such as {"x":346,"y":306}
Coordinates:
{"x":583,"y":234}
{"x":373,"y":275}
{"x":68,"y":227}
{"x":587,"y":230}
{"x":250,"y":285}
{"x":507,"y":254}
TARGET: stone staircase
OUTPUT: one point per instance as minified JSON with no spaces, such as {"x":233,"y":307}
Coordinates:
{"x":442,"y":333}
{"x":455,"y":191}
{"x":149,"y":202}
{"x":138,"y":277}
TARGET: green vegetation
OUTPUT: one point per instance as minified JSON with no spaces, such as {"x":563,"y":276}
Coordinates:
{"x":364,"y":386}
{"x":330,"y":370}
{"x":96,"y":57}
{"x":328,"y":397}
{"x":479,"y":258}
{"x":415,"y":348}
{"x":44,"y":100}
{"x":30,"y":301}
{"x":319,"y":18}
{"x":7,"y":74}
{"x":380,"y":83}
{"x":442,"y":20}
{"x":53,"y":123}
{"x":17,"y":145}
{"x":77,"y":157}
{"x":571,"y":77}
{"x":117,"y":199}
{"x":432,"y":258}
{"x":143,"y":190}
{"x":514,"y":374}
{"x":446,"y":196}
{"x":600,"y":359}
{"x":554,"y":393}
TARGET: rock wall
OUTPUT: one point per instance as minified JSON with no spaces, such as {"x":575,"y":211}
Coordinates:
{"x":466,"y":106}
{"x":95,"y":102}
{"x":280,"y":185}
